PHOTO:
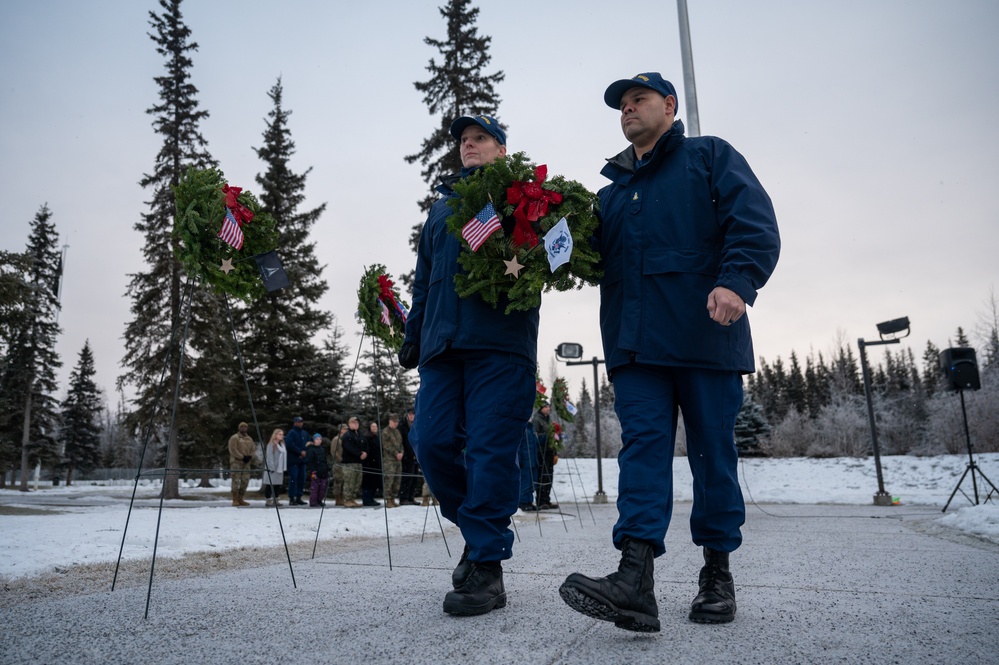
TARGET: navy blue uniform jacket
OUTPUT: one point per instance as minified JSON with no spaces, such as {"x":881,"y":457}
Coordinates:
{"x":296,"y":441}
{"x":439,"y":319}
{"x":691,"y":217}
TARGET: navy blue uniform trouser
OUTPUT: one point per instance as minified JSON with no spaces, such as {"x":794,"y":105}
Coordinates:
{"x":470,"y":413}
{"x":296,"y":481}
{"x":646,"y":399}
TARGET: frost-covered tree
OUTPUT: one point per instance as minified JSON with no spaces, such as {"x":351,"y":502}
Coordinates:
{"x":152,"y":336}
{"x":610,"y":426}
{"x":81,"y":417}
{"x":750,"y":426}
{"x":458,"y":85}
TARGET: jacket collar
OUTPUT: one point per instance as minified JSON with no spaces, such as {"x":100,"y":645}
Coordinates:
{"x":624,"y":162}
{"x":447,"y":182}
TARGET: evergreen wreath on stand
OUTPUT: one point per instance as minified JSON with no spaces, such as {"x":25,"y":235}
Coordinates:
{"x":203,"y":199}
{"x":560,"y":399}
{"x":380,"y":308}
{"x":508,"y":268}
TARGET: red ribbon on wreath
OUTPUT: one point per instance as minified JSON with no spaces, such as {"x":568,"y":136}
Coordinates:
{"x":242,"y":214}
{"x":388,"y":297}
{"x":532,"y":202}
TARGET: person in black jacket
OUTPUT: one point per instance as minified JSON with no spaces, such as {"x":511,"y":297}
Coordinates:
{"x":317,"y":470}
{"x":372,"y":466}
{"x":407,"y":488}
{"x":355,"y":451}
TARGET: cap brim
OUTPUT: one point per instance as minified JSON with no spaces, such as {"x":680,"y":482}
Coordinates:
{"x":459,"y":125}
{"x":615,"y":91}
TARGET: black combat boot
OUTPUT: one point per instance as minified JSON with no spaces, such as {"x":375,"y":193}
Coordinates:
{"x":715,"y":601}
{"x":625,"y":597}
{"x":462,"y":570}
{"x":481,"y":591}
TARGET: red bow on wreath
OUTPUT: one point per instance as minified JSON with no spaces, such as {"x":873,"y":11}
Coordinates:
{"x":388,"y":297}
{"x":242,"y":214}
{"x":532,"y":204}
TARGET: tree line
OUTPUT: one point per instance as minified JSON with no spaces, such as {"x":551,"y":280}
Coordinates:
{"x":819,"y":408}
{"x":181,"y":365}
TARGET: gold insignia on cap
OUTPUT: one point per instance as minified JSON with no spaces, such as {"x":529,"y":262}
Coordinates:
{"x":485,"y":119}
{"x":644,"y":78}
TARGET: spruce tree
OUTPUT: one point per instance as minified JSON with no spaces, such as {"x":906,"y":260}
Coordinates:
{"x":28,"y":383}
{"x":962,"y":338}
{"x":279,"y":332}
{"x":750,"y":424}
{"x":796,"y":390}
{"x":458,"y":85}
{"x":932,"y":376}
{"x":390,"y":388}
{"x":81,"y":417}
{"x":15,"y":312}
{"x":583,"y":432}
{"x":154,"y":332}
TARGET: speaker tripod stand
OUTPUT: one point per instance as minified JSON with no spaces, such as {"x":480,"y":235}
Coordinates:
{"x":972,"y":467}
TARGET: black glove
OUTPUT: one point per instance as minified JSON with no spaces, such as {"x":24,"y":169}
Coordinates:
{"x":409,"y":355}
{"x":246,"y":459}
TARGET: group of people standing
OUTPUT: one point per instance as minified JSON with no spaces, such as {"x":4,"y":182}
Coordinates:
{"x":687,"y":236}
{"x":360,"y":464}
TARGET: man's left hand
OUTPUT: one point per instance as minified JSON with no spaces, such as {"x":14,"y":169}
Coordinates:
{"x":725,"y":306}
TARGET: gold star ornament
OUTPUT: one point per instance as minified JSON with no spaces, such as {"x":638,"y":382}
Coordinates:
{"x":227,"y":266}
{"x":513,"y":267}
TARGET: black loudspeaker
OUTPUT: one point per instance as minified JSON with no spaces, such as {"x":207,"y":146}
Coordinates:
{"x":960,"y":367}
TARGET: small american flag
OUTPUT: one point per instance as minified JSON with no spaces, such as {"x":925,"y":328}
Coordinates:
{"x":385,"y":313}
{"x":480,"y":227}
{"x":231,"y":233}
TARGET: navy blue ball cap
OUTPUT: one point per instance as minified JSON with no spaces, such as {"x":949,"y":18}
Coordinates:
{"x":297,"y":419}
{"x":487,"y":122}
{"x":651,"y":80}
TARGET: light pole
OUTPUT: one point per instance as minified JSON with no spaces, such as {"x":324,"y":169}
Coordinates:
{"x":567,"y":352}
{"x":895,"y":328}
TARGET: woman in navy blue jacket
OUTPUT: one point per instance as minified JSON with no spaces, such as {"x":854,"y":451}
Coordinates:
{"x":688,"y":236}
{"x":477,"y":368}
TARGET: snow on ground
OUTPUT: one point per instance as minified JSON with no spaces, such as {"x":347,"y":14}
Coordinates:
{"x":52,"y":528}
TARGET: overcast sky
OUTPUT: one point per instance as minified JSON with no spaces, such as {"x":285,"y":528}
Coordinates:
{"x":872,"y":124}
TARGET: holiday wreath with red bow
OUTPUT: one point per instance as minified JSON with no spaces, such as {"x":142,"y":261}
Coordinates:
{"x":220,"y":229}
{"x":504,"y":260}
{"x":380,"y":308}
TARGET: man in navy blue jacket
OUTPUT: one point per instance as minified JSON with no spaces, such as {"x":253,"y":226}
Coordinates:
{"x":296,"y":442}
{"x":477,"y":368}
{"x":688,"y":236}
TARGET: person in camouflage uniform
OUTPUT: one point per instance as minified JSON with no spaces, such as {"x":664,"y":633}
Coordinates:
{"x":392,"y":452}
{"x":337,"y":451}
{"x":355,"y":451}
{"x":241,"y":451}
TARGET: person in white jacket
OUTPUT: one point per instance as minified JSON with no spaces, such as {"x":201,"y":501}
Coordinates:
{"x":275,"y":462}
